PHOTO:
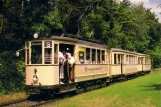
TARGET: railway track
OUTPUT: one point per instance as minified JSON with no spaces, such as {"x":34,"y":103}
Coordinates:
{"x":27,"y":102}
{"x":12,"y":102}
{"x":35,"y":101}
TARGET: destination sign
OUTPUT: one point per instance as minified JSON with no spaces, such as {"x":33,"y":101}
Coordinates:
{"x":36,"y":43}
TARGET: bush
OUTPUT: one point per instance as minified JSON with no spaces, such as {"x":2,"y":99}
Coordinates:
{"x":156,"y":63}
{"x":11,"y":72}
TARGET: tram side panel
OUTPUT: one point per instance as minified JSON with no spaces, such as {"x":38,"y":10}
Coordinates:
{"x":147,"y":67}
{"x":45,"y":75}
{"x":139,"y":67}
{"x":91,"y":63}
{"x":130,"y":68}
{"x":116,"y":67}
{"x":123,"y":62}
{"x":140,"y":64}
{"x":144,"y":63}
{"x":131,"y":63}
{"x":147,"y":64}
{"x":90,"y":72}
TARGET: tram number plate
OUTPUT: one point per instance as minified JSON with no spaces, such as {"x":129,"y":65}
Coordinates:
{"x":48,"y":44}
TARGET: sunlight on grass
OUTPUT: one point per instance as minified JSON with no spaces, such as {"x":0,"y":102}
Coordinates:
{"x":143,"y":91}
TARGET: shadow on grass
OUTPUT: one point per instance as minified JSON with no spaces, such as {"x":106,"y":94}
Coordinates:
{"x":156,"y":87}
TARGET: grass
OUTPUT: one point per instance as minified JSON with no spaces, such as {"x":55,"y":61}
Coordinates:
{"x":143,"y":91}
{"x":12,"y":96}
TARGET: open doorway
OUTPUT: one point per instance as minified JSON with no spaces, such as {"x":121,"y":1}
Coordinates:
{"x":67,"y":47}
{"x":65,"y":69}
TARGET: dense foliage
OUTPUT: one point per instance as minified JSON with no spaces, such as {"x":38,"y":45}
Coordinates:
{"x":116,"y":24}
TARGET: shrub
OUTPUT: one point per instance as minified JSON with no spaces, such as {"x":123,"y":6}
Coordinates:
{"x":11,"y":72}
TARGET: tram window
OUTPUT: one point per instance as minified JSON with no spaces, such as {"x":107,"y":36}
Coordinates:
{"x":132,"y":59}
{"x":48,"y":53}
{"x":36,"y":52}
{"x":87,"y":55}
{"x":138,"y":60}
{"x":81,"y":55}
{"x":27,"y":56}
{"x":103,"y":56}
{"x":98,"y":56}
{"x":93,"y":56}
{"x":27,"y":52}
{"x":127,"y":59}
{"x":115,"y":62}
{"x":55,"y":53}
{"x":119,"y":58}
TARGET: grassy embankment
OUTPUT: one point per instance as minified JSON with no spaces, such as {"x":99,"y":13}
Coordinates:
{"x":144,"y":91}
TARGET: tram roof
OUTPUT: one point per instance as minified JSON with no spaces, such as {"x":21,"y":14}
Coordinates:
{"x":75,"y":39}
{"x":126,"y":51}
{"x":121,"y":50}
{"x":141,"y":54}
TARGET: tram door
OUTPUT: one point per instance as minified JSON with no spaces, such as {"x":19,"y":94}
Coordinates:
{"x":121,"y":62}
{"x":142,"y":61}
{"x":68,"y":67}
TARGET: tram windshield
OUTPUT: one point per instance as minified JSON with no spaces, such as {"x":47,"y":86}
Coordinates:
{"x":42,"y":52}
{"x":36,"y":53}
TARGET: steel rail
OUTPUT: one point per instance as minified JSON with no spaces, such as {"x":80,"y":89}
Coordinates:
{"x":12,"y":102}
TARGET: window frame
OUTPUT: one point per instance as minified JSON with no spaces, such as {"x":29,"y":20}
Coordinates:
{"x":30,"y":52}
{"x":51,"y":54}
{"x":84,"y":54}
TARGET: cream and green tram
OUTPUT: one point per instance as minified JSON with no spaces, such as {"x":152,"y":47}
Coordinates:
{"x":91,"y":65}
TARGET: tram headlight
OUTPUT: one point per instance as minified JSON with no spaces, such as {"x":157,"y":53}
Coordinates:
{"x":36,"y":35}
{"x":35,"y":78}
{"x":17,"y":53}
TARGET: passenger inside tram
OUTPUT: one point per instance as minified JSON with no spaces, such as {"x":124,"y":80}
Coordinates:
{"x":67,"y":68}
{"x":61,"y":67}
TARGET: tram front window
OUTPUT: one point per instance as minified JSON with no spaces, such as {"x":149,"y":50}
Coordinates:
{"x":36,"y":52}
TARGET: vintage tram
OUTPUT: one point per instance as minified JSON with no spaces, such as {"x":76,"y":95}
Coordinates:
{"x":95,"y":64}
